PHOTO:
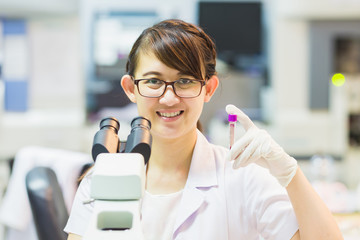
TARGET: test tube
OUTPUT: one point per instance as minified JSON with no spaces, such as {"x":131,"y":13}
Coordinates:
{"x":232,"y":118}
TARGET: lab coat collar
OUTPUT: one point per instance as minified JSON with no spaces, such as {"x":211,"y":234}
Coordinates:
{"x":202,"y":171}
{"x":202,"y":175}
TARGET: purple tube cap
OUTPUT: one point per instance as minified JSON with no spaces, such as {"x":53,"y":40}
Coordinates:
{"x":232,"y":117}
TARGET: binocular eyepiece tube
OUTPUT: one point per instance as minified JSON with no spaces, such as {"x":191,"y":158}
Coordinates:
{"x":106,"y":139}
{"x":139,"y":140}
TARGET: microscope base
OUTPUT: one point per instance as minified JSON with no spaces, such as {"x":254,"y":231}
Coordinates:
{"x":115,"y":220}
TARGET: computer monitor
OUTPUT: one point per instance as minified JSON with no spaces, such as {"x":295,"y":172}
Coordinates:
{"x":236,"y":27}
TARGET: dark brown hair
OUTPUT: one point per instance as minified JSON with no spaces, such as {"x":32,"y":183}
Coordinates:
{"x":179,"y":45}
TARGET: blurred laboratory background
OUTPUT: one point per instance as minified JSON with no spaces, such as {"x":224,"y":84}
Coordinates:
{"x":61,"y":62}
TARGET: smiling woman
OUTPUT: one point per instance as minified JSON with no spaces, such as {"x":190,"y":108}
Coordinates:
{"x":192,"y":191}
{"x":169,"y":98}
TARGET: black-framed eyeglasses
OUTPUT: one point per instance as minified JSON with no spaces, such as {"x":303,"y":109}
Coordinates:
{"x":184,"y":88}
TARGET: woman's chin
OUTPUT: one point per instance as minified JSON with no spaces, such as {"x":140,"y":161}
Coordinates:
{"x":166,"y":134}
{"x":170,"y":133}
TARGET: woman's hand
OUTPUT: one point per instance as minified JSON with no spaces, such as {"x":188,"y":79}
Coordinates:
{"x":257,"y":146}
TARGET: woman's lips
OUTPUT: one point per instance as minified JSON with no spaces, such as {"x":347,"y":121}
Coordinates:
{"x":170,"y":116}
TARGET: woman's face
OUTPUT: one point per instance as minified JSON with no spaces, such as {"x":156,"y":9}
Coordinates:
{"x":170,"y":115}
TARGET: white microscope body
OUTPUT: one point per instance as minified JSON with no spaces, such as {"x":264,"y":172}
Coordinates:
{"x":118,"y":180}
{"x":117,"y":186}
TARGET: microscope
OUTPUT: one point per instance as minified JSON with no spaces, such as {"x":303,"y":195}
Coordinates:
{"x":118,"y":180}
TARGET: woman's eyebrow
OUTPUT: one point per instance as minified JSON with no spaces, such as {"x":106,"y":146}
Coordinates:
{"x":160,"y":74}
{"x":152,"y":73}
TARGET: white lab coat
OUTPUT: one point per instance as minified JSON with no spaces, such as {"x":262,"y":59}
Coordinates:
{"x":218,"y":202}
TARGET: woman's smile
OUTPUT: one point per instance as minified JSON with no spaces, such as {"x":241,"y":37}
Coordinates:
{"x":169,"y":115}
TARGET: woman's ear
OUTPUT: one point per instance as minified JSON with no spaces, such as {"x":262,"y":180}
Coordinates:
{"x":210,"y":87}
{"x":129,"y":87}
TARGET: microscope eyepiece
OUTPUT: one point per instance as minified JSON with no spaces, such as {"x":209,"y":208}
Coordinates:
{"x":106,"y":139}
{"x":140,"y":122}
{"x":110,"y":122}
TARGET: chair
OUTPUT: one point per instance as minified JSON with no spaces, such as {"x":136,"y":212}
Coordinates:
{"x":47,"y":204}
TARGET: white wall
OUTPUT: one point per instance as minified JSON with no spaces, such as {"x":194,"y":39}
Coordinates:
{"x":29,"y":8}
{"x":56,"y":113}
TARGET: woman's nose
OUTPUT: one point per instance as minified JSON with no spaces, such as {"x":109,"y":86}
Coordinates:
{"x":169,"y":97}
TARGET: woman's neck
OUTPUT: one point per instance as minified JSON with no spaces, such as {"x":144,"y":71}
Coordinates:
{"x":169,"y":164}
{"x":172,"y":154}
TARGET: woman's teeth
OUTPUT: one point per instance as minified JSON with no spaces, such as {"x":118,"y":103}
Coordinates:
{"x":168,"y":115}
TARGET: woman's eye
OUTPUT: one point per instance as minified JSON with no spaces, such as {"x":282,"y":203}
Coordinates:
{"x":186,"y":81}
{"x":153,"y":81}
